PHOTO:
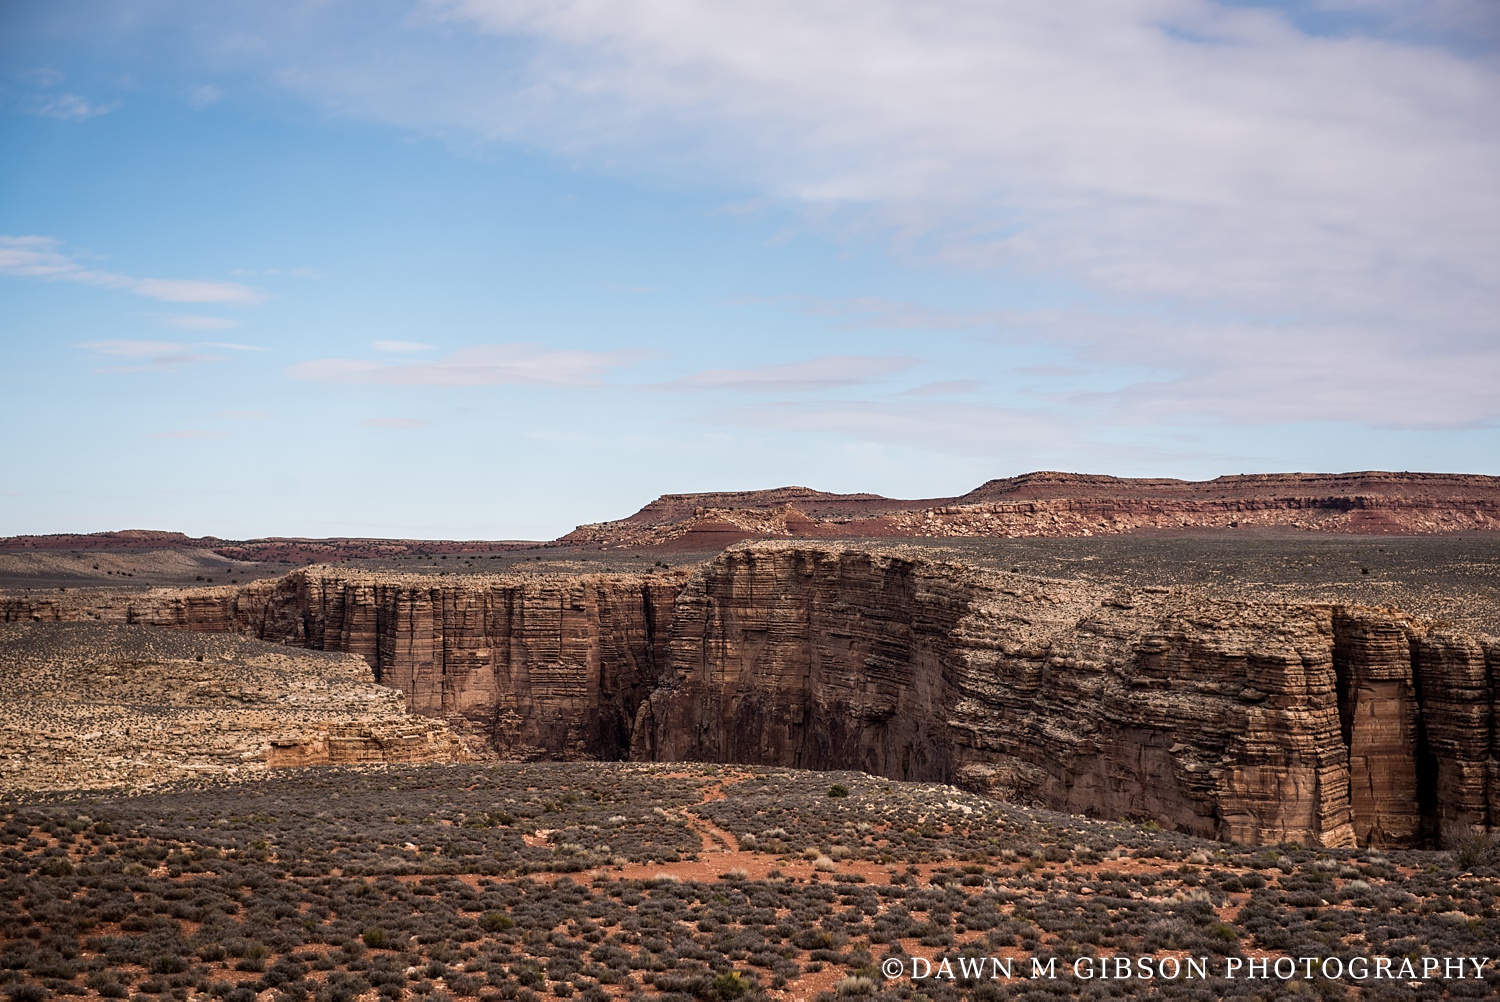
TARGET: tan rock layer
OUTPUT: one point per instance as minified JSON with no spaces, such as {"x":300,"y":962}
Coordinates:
{"x":1253,"y":721}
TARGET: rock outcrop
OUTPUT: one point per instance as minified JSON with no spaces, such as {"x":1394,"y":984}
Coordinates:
{"x":88,"y":706}
{"x":541,"y":666}
{"x":1251,"y":721}
{"x":1230,"y":717}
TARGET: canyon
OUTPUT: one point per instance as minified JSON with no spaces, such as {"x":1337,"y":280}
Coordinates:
{"x":1253,"y":718}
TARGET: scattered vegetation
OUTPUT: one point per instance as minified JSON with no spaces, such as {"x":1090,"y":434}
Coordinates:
{"x":595,"y":881}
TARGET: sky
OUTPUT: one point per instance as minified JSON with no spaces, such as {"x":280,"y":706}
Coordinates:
{"x":490,"y":269}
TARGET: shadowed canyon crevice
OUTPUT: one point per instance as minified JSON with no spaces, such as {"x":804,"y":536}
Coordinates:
{"x":1247,"y":720}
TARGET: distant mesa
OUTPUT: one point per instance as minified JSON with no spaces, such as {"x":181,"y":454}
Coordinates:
{"x":1041,"y":504}
{"x":1070,"y":504}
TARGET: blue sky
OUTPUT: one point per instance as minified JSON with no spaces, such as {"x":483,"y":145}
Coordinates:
{"x":492,"y":268}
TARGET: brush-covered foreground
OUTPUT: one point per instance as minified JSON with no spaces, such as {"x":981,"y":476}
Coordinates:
{"x":595,"y":881}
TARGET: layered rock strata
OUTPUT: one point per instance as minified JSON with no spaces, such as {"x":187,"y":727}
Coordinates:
{"x":1247,"y":720}
{"x":88,"y":706}
{"x":1070,"y":504}
{"x":1250,"y":721}
{"x":541,"y":666}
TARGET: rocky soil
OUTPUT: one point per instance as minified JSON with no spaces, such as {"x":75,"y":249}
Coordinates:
{"x":94,"y":706}
{"x":602,"y":881}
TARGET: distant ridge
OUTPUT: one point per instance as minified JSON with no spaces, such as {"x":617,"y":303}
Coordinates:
{"x":1052,"y":503}
{"x":1044,"y":503}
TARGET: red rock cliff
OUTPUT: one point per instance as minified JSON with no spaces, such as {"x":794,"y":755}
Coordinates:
{"x":1242,"y":720}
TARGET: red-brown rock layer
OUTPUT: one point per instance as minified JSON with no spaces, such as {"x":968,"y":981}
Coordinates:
{"x":1252,"y":721}
{"x":1067,"y":504}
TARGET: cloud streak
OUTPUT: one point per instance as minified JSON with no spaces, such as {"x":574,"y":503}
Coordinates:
{"x":42,"y":258}
{"x":826,"y":373}
{"x":479,"y":365}
{"x":161,"y":356}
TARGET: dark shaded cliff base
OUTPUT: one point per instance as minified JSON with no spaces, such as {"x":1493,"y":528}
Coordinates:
{"x":605,"y":881}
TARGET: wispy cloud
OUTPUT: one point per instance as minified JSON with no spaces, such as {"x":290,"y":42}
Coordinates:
{"x":394,"y":423}
{"x":962,"y":429}
{"x":828,"y":372}
{"x":945,"y":388}
{"x":479,"y":365}
{"x":195,"y":322}
{"x":1331,"y":164}
{"x":160,"y":355}
{"x":402,"y":347}
{"x":67,"y":107}
{"x":191,"y":433}
{"x":43,"y":258}
{"x":250,"y":415}
{"x":201,"y":96}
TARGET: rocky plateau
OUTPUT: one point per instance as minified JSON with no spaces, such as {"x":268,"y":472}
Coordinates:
{"x":1259,"y":718}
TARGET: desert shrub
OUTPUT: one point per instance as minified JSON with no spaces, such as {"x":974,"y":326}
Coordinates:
{"x":1477,"y":850}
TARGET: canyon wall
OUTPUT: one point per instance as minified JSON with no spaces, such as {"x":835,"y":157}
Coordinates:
{"x":1250,"y":721}
{"x":1245,"y":720}
{"x":539,"y":666}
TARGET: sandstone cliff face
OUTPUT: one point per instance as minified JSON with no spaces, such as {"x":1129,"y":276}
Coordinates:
{"x":540,"y":666}
{"x":544,"y":666}
{"x":1249,"y":721}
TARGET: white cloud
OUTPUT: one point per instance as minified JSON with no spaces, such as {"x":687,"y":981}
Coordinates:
{"x":402,"y":347}
{"x":1012,"y":437}
{"x":42,"y":257}
{"x":182,"y":290}
{"x":68,"y":107}
{"x":479,"y":365}
{"x":190,"y":433}
{"x":945,"y":388}
{"x":251,"y":415}
{"x":1328,"y":191}
{"x":159,"y":355}
{"x":829,"y":372}
{"x":393,"y":423}
{"x":201,"y":96}
{"x":193,"y":322}
{"x":135,"y":349}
